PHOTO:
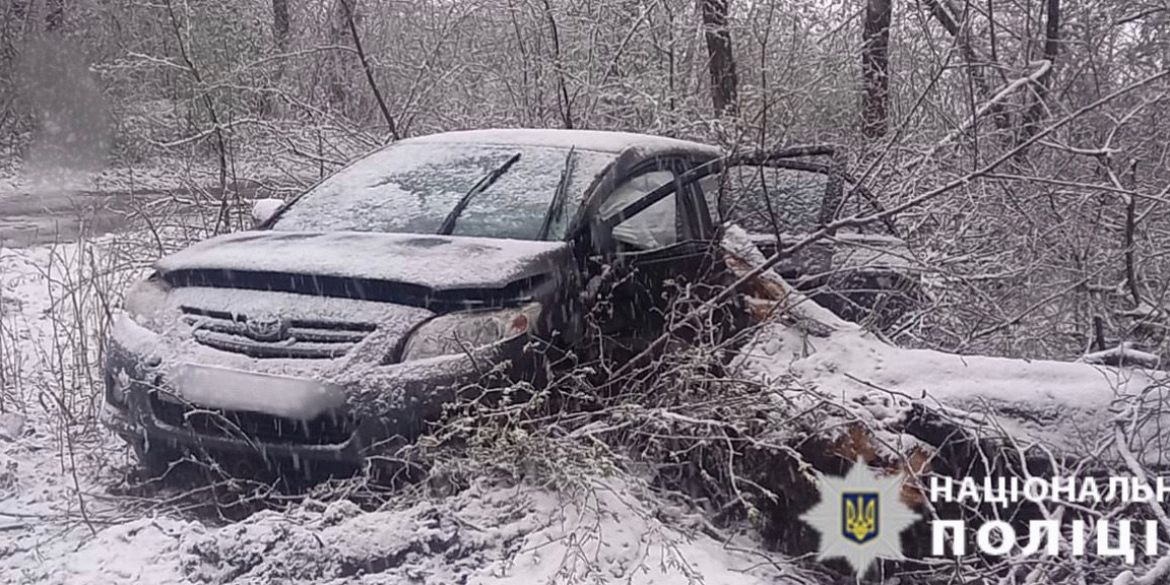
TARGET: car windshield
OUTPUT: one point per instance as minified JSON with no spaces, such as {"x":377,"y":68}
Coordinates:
{"x":412,"y":186}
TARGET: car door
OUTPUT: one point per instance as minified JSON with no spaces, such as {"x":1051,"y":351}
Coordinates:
{"x":773,"y":202}
{"x":650,"y":249}
{"x":859,"y":273}
{"x":780,"y":199}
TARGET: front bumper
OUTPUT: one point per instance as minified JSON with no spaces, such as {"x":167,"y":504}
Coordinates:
{"x":385,"y":406}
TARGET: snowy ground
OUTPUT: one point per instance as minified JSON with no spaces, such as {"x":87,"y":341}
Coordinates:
{"x":54,"y":464}
{"x":487,"y":534}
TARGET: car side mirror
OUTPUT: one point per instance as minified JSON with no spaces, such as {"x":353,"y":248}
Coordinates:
{"x":264,"y":209}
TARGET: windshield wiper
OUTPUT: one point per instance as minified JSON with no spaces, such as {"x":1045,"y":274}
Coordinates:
{"x":556,"y":208}
{"x":448,"y":225}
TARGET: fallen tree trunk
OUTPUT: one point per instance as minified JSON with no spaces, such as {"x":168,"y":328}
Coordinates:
{"x":927,"y":413}
{"x":1063,"y":405}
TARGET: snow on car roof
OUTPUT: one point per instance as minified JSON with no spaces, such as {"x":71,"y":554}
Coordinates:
{"x":598,"y":140}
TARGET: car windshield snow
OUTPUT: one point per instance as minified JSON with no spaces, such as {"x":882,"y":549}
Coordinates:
{"x":411,"y":187}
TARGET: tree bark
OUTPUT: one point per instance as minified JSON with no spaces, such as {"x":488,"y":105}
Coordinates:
{"x":875,"y":68}
{"x":280,"y":35}
{"x":564,"y":103}
{"x":1037,"y":110}
{"x":720,"y":59}
{"x":280,"y":24}
{"x":335,"y":78}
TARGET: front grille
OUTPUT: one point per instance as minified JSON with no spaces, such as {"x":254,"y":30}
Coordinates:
{"x":270,"y":337}
{"x":327,"y":429}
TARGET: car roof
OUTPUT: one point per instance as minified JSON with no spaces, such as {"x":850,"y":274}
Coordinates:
{"x":597,"y":140}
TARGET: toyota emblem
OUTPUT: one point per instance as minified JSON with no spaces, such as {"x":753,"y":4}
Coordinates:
{"x":266,"y":328}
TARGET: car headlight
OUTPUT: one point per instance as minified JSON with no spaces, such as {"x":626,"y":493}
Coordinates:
{"x":146,"y":299}
{"x":458,"y":332}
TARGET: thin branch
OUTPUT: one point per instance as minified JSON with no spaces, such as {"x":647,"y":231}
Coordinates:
{"x":369,"y":70}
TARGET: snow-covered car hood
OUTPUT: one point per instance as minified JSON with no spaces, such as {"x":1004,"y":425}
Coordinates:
{"x":432,"y":261}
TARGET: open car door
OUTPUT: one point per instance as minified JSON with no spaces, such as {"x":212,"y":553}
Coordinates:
{"x":778,"y":197}
{"x":863,"y":274}
{"x":653,"y":252}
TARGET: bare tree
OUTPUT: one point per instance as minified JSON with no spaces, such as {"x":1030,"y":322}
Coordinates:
{"x":720,"y":57}
{"x":974,"y":61}
{"x":368,"y":69}
{"x":564,"y":102}
{"x":875,"y":68}
{"x":280,"y":24}
{"x":1036,"y":111}
{"x":281,"y":36}
{"x":339,"y":16}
